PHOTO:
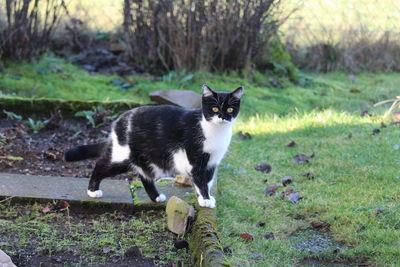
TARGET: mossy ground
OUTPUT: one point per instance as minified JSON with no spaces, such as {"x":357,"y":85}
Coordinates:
{"x":32,"y":231}
{"x":356,"y":184}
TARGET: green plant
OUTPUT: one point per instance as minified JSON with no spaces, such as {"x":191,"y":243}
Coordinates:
{"x":88,"y":114}
{"x":36,"y":126}
{"x":12,"y":115}
{"x":395,"y":104}
{"x":3,"y":139}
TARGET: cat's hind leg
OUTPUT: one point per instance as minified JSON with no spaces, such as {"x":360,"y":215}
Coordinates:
{"x":152,"y":191}
{"x":148,"y":174}
{"x":102,"y":170}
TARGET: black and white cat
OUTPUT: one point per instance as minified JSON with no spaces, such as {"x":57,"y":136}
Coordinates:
{"x":157,"y":141}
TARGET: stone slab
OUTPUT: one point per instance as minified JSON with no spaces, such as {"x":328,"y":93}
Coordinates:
{"x":74,"y":189}
{"x":61,"y":188}
{"x":181,"y":98}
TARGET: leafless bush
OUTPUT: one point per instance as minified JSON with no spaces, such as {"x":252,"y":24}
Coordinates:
{"x":196,"y":34}
{"x":355,"y":50}
{"x":27,"y":26}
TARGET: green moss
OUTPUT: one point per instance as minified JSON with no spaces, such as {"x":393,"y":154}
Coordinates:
{"x":204,"y":242}
{"x":43,"y":106}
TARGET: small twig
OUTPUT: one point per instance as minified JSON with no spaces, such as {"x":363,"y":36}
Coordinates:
{"x":4,"y":200}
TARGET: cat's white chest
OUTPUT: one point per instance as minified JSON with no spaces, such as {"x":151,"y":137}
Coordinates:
{"x":217,"y":140}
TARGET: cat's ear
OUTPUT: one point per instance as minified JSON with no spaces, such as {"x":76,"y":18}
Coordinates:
{"x":207,"y":91}
{"x":238,"y":92}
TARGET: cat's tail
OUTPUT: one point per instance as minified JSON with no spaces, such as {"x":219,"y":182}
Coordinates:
{"x":84,"y":152}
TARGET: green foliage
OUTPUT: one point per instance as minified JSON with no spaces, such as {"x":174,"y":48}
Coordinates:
{"x":3,"y":139}
{"x":11,"y":115}
{"x":36,"y":126}
{"x":88,"y":114}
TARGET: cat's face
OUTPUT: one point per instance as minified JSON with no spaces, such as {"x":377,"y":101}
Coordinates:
{"x":221,"y":107}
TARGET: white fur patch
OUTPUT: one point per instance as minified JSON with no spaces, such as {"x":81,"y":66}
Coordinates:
{"x":95,"y":194}
{"x":118,"y":153}
{"x":218,"y":135}
{"x":139,"y":170}
{"x":158,"y":172}
{"x":181,"y":162}
{"x":207,"y":203}
{"x":161,"y":198}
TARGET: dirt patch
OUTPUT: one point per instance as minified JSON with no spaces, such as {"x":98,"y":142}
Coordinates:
{"x":41,"y":153}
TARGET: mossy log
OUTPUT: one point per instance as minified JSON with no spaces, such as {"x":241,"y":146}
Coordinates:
{"x":204,"y":244}
{"x":44,"y":107}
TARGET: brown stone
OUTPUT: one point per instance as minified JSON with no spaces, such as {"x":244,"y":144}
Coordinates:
{"x":178,"y":214}
{"x":181,"y":98}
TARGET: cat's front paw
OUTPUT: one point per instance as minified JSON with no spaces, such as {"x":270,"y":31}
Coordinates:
{"x":95,"y":194}
{"x":161,"y":198}
{"x":206,"y":203}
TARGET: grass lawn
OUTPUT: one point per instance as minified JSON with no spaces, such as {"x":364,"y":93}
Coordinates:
{"x":355,"y":189}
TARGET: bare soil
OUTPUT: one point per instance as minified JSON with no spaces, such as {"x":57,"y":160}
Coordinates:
{"x":25,"y":152}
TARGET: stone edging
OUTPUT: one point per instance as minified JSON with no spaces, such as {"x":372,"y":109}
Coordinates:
{"x":204,"y":244}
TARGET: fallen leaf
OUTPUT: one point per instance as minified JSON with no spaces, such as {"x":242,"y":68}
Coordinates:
{"x":270,"y":190}
{"x":263,"y":167}
{"x":295,"y":197}
{"x":63,"y":205}
{"x":309,"y":175}
{"x":269,"y":236}
{"x":244,"y":135}
{"x":362,"y":228}
{"x":292,"y":195}
{"x":350,"y":135}
{"x":12,"y":158}
{"x":246,"y":236}
{"x":292,"y":144}
{"x":320,"y":225}
{"x":355,"y":91}
{"x":375,"y":131}
{"x":301,"y":158}
{"x":377,"y":212}
{"x":286,"y":180}
{"x":49,"y":155}
{"x":46,"y":209}
{"x":261,"y":224}
{"x":183,"y":180}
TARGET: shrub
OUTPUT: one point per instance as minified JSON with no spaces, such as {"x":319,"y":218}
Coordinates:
{"x":355,"y":50}
{"x":191,"y":34}
{"x":27,"y":26}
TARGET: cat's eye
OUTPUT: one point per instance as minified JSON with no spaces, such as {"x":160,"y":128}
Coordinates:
{"x":215,"y":109}
{"x":229,"y":110}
